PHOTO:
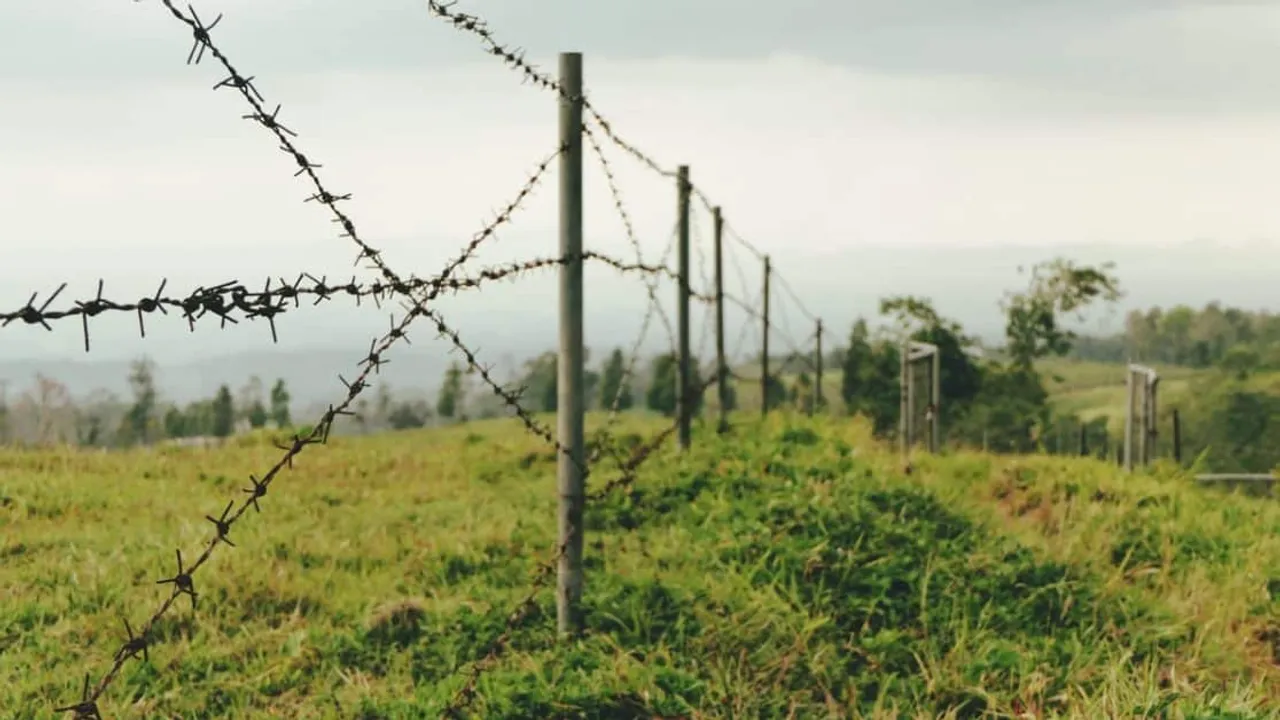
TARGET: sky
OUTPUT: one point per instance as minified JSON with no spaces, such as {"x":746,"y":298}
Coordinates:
{"x":822,"y":127}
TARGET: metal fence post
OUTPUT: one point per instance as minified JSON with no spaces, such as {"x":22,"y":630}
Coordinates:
{"x":684,"y":387}
{"x":817,"y":380}
{"x":722,"y":369}
{"x":935,"y":402}
{"x":764,"y":354}
{"x":1126,"y":457}
{"x":570,"y":406}
{"x":1177,"y":437}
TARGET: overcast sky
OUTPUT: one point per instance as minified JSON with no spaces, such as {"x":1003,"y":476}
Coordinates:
{"x":820,"y":125}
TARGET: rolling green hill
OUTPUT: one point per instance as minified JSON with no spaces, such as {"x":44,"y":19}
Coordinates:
{"x":790,"y":569}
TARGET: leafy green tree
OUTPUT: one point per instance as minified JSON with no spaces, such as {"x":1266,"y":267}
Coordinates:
{"x":280,"y":405}
{"x":224,"y":413}
{"x":775,"y":392}
{"x":1239,"y":361}
{"x":613,"y":385}
{"x":140,"y":419}
{"x":257,"y":415}
{"x":1010,"y":412}
{"x":1033,"y":317}
{"x":175,"y":423}
{"x":449,"y":401}
{"x":1236,"y":427}
{"x":662,"y":394}
{"x":197,"y":418}
{"x":856,"y":366}
{"x":541,"y":382}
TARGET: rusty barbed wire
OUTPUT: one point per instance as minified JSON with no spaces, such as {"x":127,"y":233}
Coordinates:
{"x":202,"y":42}
{"x":615,"y":192}
{"x":516,"y":60}
{"x":653,"y":308}
{"x":225,"y":301}
{"x":183,"y":580}
{"x":601,"y":435}
{"x":733,"y":235}
{"x":791,"y":293}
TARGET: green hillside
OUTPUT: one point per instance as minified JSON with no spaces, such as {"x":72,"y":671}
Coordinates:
{"x":789,"y":570}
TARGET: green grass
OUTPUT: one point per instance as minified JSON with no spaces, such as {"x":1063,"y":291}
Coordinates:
{"x":791,"y":570}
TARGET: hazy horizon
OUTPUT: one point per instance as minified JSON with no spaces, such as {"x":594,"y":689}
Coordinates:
{"x":869,"y":146}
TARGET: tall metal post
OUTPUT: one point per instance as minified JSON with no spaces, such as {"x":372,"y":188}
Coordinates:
{"x":817,"y":380}
{"x":910,"y":381}
{"x":1153,"y":384}
{"x":1177,"y":437}
{"x":904,"y":424}
{"x":935,"y":402}
{"x":722,"y":369}
{"x":764,"y":353}
{"x":570,"y":408}
{"x":1127,"y":450}
{"x":684,"y":387}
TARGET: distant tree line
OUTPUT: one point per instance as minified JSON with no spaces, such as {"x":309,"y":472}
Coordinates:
{"x":1229,"y":415}
{"x":993,"y":398}
{"x":46,"y":414}
{"x":1189,"y":337}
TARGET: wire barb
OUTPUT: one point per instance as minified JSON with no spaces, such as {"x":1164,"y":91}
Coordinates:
{"x":182,"y":582}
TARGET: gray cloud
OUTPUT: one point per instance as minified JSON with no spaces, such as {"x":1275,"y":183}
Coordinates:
{"x":1134,"y":55}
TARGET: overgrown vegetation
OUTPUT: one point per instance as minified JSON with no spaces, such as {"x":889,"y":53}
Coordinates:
{"x":786,"y":570}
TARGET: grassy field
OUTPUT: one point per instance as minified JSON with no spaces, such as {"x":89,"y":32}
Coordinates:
{"x":1095,"y":389}
{"x":792,"y":570}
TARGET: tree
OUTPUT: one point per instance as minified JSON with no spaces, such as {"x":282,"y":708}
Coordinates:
{"x":540,"y":382}
{"x":224,"y":413}
{"x":662,"y":393}
{"x":449,"y":401}
{"x":175,"y":423}
{"x":409,"y":414}
{"x":856,"y":366}
{"x":140,"y":420}
{"x":1033,"y":323}
{"x":615,"y":390}
{"x":280,"y":405}
{"x":775,"y":392}
{"x":257,"y":415}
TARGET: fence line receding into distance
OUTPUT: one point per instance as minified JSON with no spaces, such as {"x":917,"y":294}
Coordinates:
{"x":235,"y":302}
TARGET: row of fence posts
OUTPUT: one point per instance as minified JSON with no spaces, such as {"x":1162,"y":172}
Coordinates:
{"x":570,"y":421}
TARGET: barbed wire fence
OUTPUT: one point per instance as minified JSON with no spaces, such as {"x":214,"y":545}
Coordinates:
{"x":584,"y":130}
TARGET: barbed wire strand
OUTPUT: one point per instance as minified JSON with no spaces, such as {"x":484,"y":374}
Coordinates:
{"x":515,"y":59}
{"x":232,"y":302}
{"x":183,"y":580}
{"x":202,"y":43}
{"x":651,"y":288}
{"x":733,"y":235}
{"x":791,"y":293}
